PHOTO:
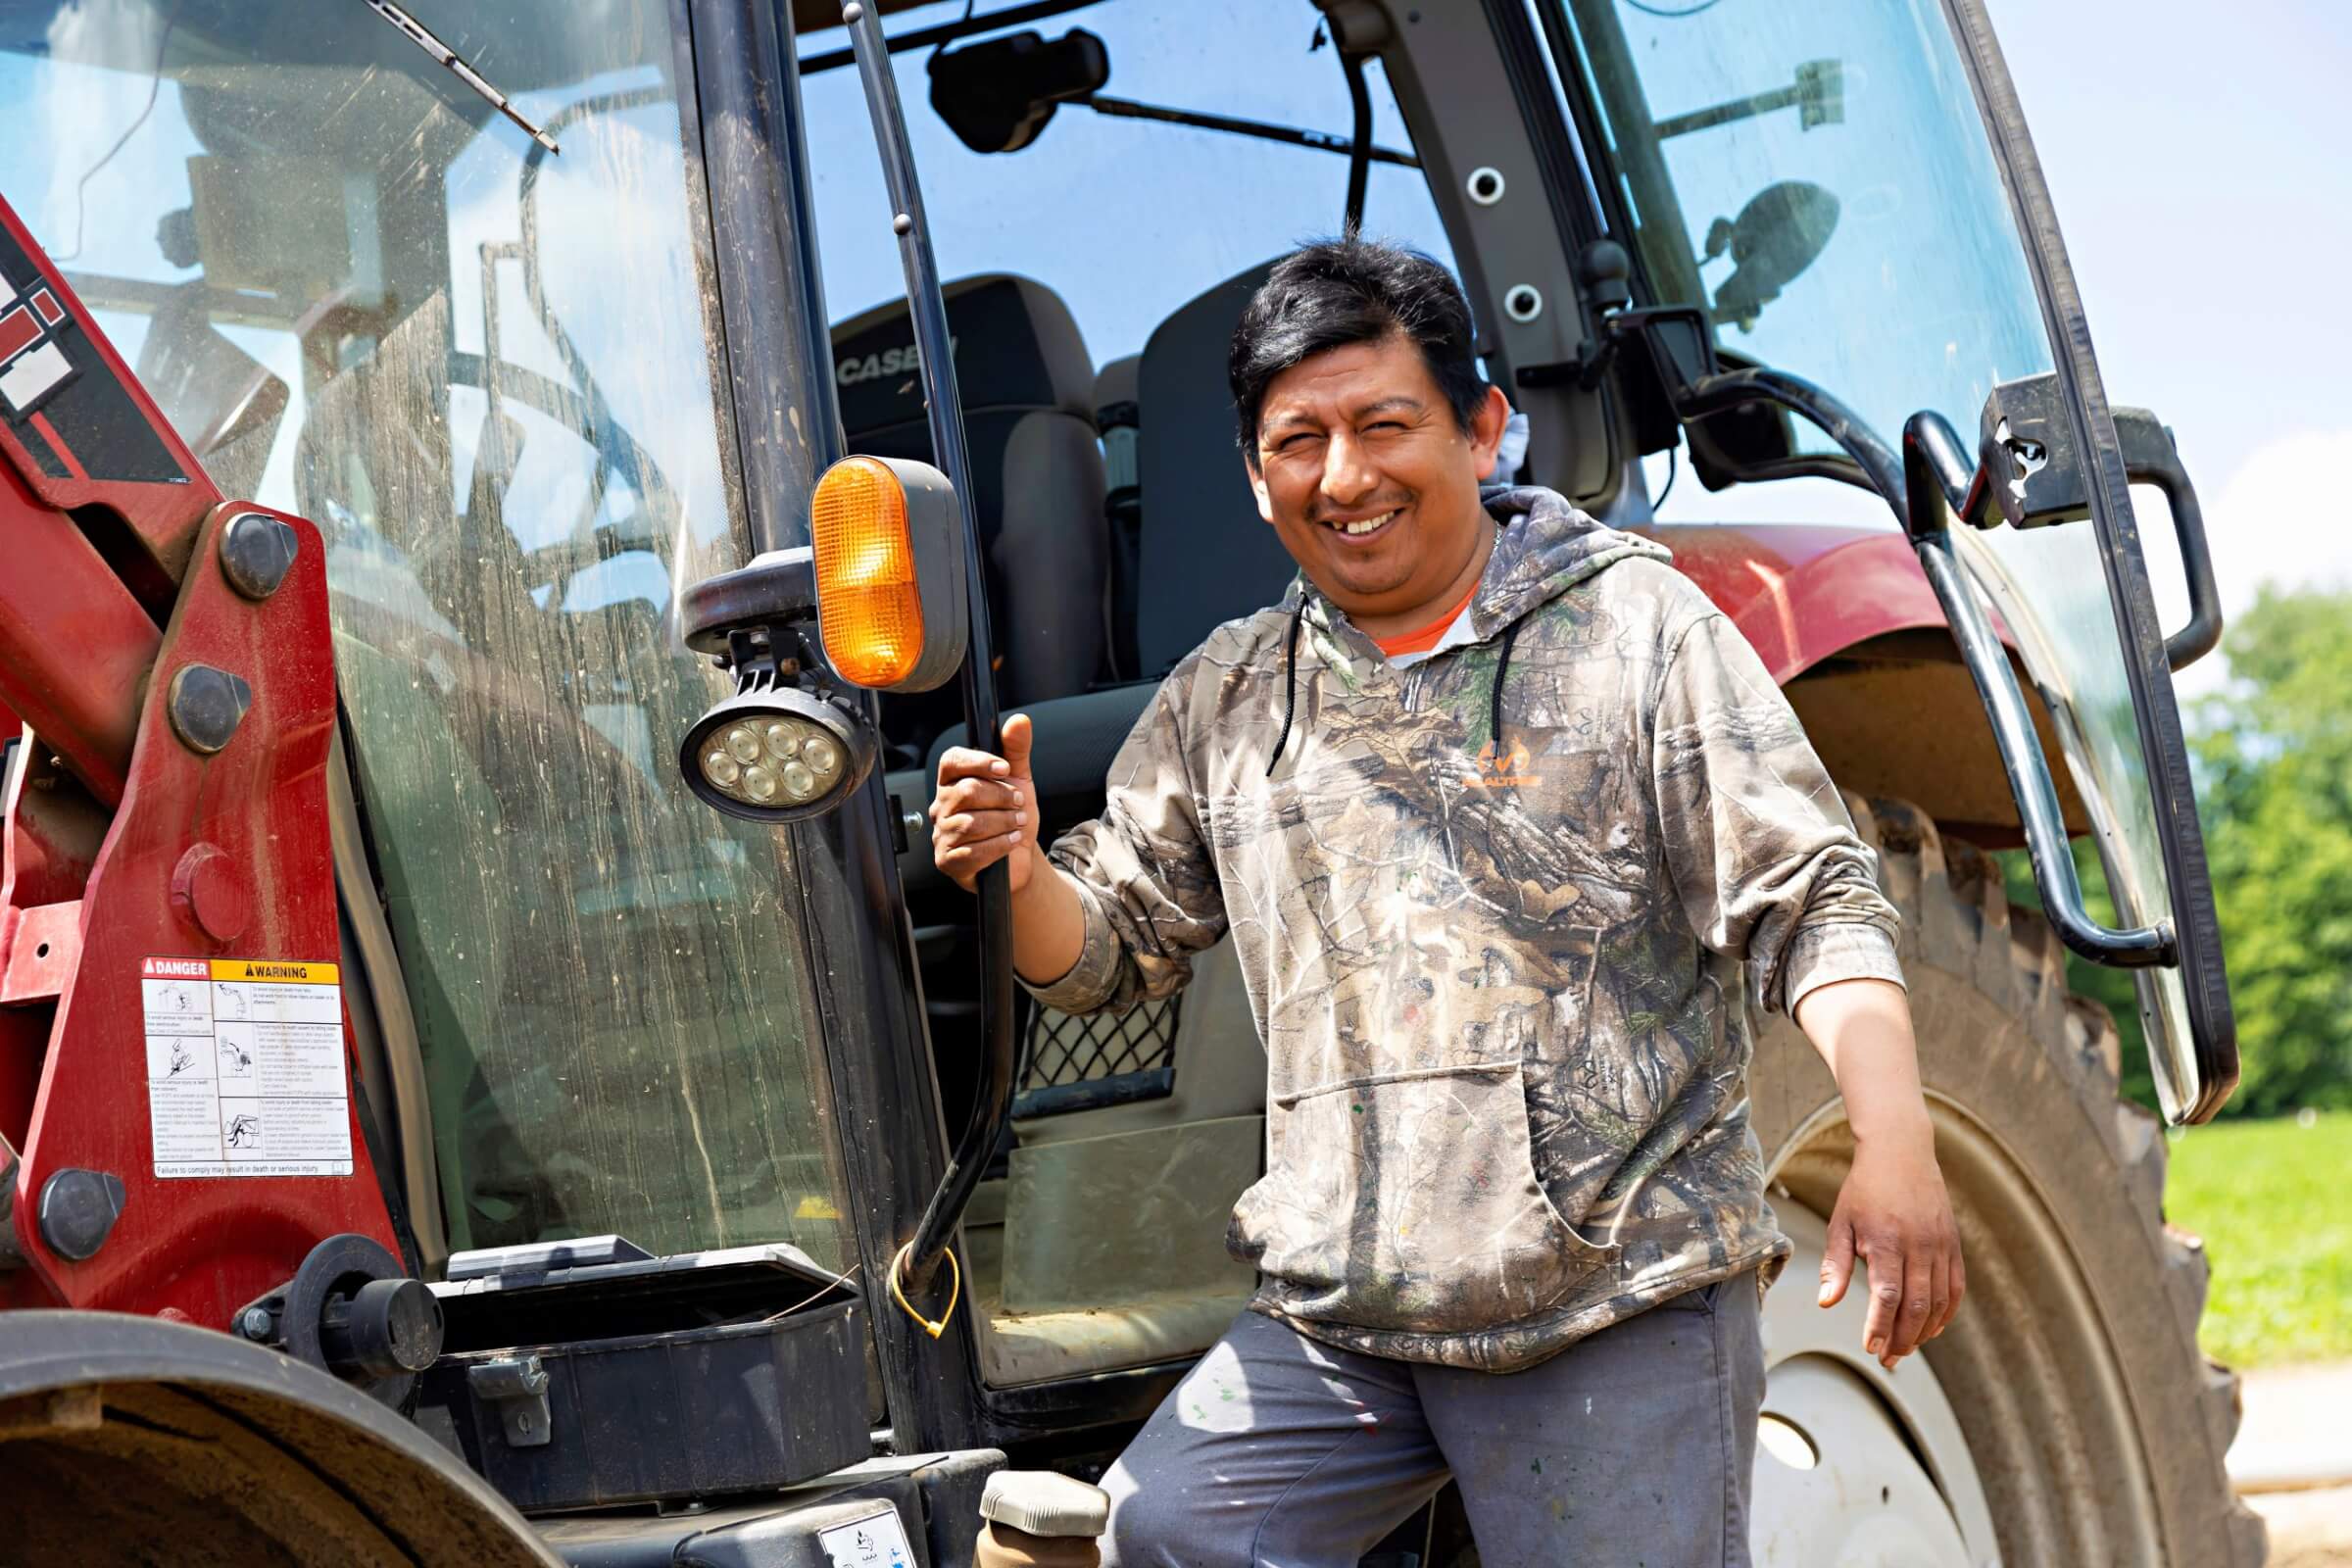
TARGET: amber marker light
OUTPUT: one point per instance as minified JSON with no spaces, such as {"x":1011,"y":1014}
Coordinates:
{"x":869,"y":604}
{"x":886,"y":563}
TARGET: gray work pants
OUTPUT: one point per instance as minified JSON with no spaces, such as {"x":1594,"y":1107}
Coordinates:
{"x":1633,"y":1447}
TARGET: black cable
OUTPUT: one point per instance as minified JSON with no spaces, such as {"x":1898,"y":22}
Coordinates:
{"x":1673,"y":468}
{"x":155,"y":89}
{"x":1661,"y":10}
{"x":1359,"y":146}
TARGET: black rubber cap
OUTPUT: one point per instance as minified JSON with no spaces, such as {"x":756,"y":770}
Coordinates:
{"x":78,"y":1210}
{"x":384,"y":1328}
{"x":207,"y":706}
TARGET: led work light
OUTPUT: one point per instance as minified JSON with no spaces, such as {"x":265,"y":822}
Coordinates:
{"x":775,"y":753}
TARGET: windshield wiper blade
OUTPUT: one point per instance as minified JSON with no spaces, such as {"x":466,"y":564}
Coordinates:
{"x":422,"y":35}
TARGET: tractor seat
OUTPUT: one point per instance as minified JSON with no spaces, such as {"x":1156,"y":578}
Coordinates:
{"x":1027,"y":387}
{"x":1201,"y":545}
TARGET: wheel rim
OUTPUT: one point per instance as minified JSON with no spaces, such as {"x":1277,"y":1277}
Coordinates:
{"x":2018,"y":1415}
{"x":1854,"y":1466}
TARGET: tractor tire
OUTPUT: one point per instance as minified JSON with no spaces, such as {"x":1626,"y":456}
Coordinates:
{"x":2094,"y":1426}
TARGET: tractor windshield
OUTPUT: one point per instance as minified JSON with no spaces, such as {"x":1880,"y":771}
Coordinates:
{"x":1818,"y":177}
{"x":485,"y":373}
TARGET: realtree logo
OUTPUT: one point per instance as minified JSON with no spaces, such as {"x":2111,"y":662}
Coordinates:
{"x":1506,"y":773}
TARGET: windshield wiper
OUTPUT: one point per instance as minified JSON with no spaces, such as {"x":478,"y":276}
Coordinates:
{"x":421,"y":36}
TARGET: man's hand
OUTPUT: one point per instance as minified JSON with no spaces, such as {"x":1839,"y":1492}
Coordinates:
{"x":986,"y":812}
{"x":984,"y":809}
{"x":1893,"y":1214}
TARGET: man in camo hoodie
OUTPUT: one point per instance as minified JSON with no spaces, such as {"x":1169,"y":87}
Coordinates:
{"x":1509,"y":828}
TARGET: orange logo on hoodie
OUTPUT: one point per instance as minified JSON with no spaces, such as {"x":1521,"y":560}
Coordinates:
{"x":1508,"y":771}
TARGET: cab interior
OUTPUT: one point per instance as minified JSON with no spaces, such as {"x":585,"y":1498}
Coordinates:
{"x":1117,"y":529}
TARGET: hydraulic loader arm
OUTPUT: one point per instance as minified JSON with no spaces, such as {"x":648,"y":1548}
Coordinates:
{"x":178,"y":1133}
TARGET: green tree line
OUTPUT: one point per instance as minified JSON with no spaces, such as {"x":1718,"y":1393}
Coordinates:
{"x":2272,"y":754}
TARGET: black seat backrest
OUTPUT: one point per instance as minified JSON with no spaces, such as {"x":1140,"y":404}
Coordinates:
{"x":1205,"y":556}
{"x":1027,"y":387}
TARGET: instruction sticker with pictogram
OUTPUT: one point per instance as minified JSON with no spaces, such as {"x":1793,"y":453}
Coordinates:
{"x":245,"y":1070}
{"x":877,"y":1542}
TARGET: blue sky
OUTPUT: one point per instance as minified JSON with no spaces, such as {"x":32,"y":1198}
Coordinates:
{"x":2198,"y":158}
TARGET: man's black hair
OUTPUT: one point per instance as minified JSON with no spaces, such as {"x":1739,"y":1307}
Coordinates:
{"x":1341,"y":291}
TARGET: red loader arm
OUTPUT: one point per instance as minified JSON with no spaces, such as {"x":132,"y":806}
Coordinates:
{"x":177,"y":1128}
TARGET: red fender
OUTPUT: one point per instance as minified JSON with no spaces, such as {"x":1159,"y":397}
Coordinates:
{"x":1801,"y":592}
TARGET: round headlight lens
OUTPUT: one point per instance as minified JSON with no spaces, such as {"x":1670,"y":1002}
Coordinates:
{"x":773,"y":755}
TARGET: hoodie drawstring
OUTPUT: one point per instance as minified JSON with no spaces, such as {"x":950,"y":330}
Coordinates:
{"x":1494,"y":716}
{"x":1290,"y":685}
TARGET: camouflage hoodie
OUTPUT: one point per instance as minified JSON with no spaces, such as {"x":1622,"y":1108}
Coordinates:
{"x":1499,"y":976}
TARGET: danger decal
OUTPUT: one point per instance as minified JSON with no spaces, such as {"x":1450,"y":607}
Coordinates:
{"x":245,"y":1067}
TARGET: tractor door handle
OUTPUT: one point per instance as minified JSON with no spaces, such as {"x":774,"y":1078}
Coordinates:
{"x":2150,"y":457}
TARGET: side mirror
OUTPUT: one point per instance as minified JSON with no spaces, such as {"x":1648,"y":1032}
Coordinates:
{"x":996,"y":95}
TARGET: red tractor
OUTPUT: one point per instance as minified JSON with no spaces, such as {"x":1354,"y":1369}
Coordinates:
{"x":487,"y":1069}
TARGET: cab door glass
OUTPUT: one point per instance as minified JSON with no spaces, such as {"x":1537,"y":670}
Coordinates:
{"x":1819,"y":177}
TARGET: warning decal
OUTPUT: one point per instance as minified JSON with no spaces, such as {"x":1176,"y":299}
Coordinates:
{"x":876,"y":1543}
{"x":245,"y":1071}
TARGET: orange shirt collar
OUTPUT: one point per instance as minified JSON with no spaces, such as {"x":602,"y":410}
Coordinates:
{"x":1422,"y":639}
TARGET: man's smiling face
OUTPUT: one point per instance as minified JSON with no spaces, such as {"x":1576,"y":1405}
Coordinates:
{"x":1372,"y":483}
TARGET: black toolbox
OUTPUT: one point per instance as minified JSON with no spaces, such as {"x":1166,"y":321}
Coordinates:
{"x":577,"y":1384}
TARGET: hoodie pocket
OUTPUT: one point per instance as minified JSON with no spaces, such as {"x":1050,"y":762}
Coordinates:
{"x":1409,"y":1202}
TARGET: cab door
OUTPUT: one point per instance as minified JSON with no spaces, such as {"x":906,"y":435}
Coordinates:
{"x":1840,"y":199}
{"x":2064,"y":565}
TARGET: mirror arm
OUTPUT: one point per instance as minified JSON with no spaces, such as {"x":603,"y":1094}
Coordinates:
{"x":1726,"y":389}
{"x":992,"y":1098}
{"x":1256,"y":129}
{"x":1938,"y":481}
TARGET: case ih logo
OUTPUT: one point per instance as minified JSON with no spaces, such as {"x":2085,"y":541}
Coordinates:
{"x":904,"y":360}
{"x":31,"y":364}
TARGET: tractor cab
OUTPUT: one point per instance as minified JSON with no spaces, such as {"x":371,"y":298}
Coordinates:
{"x":554,"y":351}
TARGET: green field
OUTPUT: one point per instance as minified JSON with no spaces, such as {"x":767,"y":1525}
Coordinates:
{"x":2274,"y":1201}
